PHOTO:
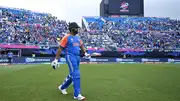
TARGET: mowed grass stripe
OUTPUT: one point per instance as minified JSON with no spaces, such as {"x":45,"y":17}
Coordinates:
{"x":100,"y":82}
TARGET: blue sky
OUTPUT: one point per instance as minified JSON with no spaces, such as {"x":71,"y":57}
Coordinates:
{"x":73,"y":10}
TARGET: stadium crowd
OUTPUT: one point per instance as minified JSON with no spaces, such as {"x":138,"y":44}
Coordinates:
{"x":146,"y":39}
{"x":136,"y":23}
{"x":27,"y":27}
{"x":139,"y":33}
{"x":19,"y":26}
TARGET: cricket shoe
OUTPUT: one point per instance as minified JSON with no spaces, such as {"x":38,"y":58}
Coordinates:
{"x":80,"y":97}
{"x":63,"y":91}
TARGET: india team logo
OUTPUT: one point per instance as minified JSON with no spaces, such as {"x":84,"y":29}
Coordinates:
{"x":124,"y":7}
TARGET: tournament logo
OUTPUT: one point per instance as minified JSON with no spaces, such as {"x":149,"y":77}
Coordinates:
{"x":124,"y":7}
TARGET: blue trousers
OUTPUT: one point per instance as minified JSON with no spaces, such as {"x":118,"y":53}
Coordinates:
{"x":74,"y":76}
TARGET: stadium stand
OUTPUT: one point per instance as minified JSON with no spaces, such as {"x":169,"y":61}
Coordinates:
{"x":135,"y":33}
{"x":20,"y":26}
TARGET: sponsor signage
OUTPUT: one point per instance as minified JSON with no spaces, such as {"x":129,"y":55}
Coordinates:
{"x":29,"y":60}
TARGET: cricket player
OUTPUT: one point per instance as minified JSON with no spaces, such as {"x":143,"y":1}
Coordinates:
{"x":10,"y":56}
{"x":72,"y":44}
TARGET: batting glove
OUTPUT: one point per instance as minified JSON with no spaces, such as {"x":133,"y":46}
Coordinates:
{"x":87,"y":56}
{"x":55,"y":64}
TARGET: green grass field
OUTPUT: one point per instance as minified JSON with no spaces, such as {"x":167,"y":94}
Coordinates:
{"x":100,"y":82}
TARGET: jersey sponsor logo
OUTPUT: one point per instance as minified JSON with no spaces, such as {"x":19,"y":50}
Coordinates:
{"x":76,"y":44}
